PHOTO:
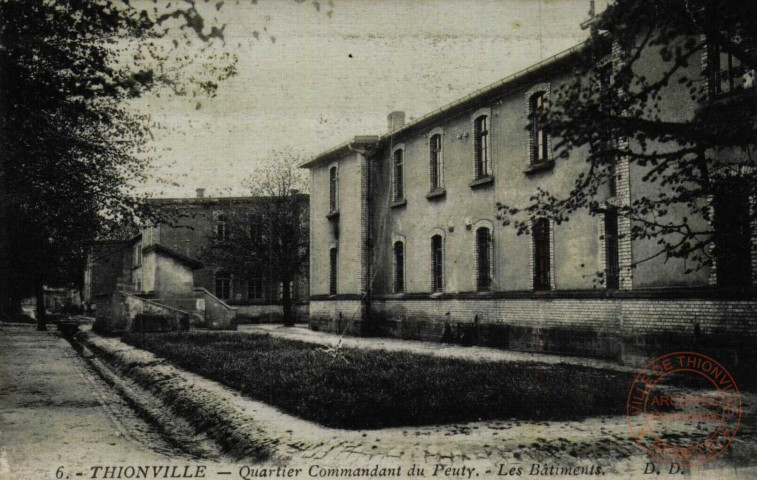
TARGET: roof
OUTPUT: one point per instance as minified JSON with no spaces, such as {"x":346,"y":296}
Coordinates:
{"x":210,"y":200}
{"x":351,"y":145}
{"x":494,"y":89}
{"x":190,"y":262}
{"x":202,"y":200}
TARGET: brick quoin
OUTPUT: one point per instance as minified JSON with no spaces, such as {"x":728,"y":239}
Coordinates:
{"x":657,"y":307}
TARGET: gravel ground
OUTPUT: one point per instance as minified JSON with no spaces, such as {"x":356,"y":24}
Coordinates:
{"x":56,"y":412}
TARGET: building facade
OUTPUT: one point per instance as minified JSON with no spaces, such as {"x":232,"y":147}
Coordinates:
{"x":405,"y":239}
{"x":201,"y":227}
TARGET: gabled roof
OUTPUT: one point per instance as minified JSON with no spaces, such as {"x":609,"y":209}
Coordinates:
{"x":190,"y":262}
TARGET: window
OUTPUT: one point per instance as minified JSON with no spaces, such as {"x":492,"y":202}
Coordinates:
{"x":604,"y":78}
{"x":333,"y":265}
{"x":255,"y":289}
{"x":539,"y":141}
{"x":437,"y":263}
{"x":255,"y":230}
{"x":612,"y":259}
{"x":727,"y":73}
{"x":138,"y":283}
{"x":483,"y":259}
{"x":138,"y":255}
{"x":481,"y":145}
{"x":399,"y":175}
{"x":612,"y":177}
{"x":223,"y":285}
{"x":436,"y":163}
{"x":291,"y":289}
{"x":732,"y":238}
{"x":222,"y":227}
{"x":541,"y":254}
{"x":399,"y":267}
{"x":333,"y":189}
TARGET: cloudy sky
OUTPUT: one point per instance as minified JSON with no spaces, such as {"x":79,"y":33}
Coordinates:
{"x":328,"y":77}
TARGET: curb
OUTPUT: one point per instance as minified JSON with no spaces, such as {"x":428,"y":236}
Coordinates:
{"x":236,"y":433}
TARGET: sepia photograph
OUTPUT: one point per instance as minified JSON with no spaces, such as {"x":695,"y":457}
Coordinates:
{"x":378,"y":239}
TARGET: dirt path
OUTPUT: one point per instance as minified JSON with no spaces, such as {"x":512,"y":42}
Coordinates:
{"x":55,"y":412}
{"x":303,"y":333}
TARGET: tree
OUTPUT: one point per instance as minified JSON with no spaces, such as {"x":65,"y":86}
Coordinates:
{"x":274,"y":237}
{"x":73,"y":149}
{"x":691,"y":132}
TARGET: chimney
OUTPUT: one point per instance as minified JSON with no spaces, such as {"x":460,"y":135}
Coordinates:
{"x":200,"y":193}
{"x":395,"y":120}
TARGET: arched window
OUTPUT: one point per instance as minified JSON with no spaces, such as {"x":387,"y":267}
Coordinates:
{"x":333,"y":255}
{"x":399,"y":267}
{"x":436,"y":161}
{"x":541,"y":254}
{"x":483,"y":259}
{"x":399,"y":175}
{"x":223,"y":285}
{"x":333,"y":189}
{"x":733,"y":236}
{"x":437,"y":263}
{"x":537,"y":106}
{"x":481,"y":145}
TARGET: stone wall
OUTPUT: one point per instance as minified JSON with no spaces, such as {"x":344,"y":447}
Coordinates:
{"x":217,"y":314}
{"x":117,"y":311}
{"x":269,"y":313}
{"x":337,"y":315}
{"x":627,"y":329}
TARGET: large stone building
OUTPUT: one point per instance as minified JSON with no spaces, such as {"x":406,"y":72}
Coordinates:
{"x":201,"y":223}
{"x":198,"y":224}
{"x":405,"y":239}
{"x":170,"y":265}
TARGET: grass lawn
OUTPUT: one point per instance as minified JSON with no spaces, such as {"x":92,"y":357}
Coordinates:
{"x":377,"y":389}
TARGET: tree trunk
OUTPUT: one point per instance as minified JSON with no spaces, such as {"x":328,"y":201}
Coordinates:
{"x":41,"y":315}
{"x":286,"y":303}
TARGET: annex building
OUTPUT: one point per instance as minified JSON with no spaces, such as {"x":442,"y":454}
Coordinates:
{"x":405,"y":240}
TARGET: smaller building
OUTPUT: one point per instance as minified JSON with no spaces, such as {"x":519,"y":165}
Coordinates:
{"x":138,"y":284}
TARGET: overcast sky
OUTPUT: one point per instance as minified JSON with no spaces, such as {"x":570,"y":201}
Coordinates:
{"x":327,"y":78}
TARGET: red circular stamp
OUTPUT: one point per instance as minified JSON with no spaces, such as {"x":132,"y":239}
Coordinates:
{"x":684,"y":408}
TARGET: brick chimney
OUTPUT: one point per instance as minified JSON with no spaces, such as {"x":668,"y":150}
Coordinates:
{"x":395,"y":120}
{"x":200,"y":193}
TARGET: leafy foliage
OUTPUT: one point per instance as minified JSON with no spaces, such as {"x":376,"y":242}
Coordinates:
{"x":274,"y":237}
{"x":73,"y":149}
{"x":640,"y":94}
